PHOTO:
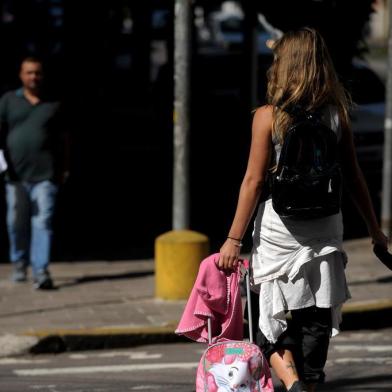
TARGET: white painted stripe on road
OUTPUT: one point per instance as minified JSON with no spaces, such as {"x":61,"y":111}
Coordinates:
{"x":360,"y":337}
{"x":375,"y":360}
{"x":78,"y":356}
{"x":105,"y":369}
{"x":46,"y":387}
{"x":19,"y":361}
{"x":129,"y":354}
{"x":371,"y":349}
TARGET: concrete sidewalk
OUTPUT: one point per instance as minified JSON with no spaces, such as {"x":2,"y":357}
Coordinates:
{"x":111,"y":304}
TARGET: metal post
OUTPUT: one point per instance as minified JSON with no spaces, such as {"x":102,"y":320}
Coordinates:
{"x":249,"y":299}
{"x":182,"y":49}
{"x":386,"y":220}
{"x":250,"y":52}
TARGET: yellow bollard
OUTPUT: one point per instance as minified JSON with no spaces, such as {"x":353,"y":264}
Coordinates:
{"x":178,"y":254}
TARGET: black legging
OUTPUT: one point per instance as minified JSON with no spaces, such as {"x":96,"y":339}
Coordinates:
{"x":307,"y":337}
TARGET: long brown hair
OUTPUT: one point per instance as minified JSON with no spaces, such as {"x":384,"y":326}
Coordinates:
{"x":302,"y":75}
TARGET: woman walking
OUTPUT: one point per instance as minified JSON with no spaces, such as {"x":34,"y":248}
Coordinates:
{"x":297,"y":266}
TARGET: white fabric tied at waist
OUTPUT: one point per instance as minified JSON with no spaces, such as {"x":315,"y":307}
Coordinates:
{"x":307,"y":289}
{"x":280,"y":247}
{"x":297,"y":264}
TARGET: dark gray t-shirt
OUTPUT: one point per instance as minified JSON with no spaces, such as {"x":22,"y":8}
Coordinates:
{"x":33,"y":137}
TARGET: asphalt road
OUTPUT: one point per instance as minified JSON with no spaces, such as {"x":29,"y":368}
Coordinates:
{"x":358,"y":361}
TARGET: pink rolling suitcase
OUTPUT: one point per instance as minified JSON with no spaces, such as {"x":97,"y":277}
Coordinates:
{"x":234,"y":365}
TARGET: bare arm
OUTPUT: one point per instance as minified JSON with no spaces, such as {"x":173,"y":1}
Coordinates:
{"x":259,"y":158}
{"x":357,"y":188}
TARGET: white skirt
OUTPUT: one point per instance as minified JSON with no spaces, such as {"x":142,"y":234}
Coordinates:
{"x":297,"y":264}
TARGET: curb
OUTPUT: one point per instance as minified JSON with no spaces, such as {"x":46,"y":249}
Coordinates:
{"x":356,"y":316}
{"x":367,"y":315}
{"x":60,"y":340}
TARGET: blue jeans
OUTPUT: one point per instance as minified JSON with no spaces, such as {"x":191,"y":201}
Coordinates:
{"x":30,"y":208}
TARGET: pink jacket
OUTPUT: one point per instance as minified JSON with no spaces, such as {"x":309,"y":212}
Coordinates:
{"x":215,"y":294}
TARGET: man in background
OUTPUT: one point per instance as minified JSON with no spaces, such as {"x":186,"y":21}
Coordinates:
{"x":36,"y":152}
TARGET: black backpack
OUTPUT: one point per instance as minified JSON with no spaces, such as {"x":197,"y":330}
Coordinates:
{"x":307,"y":183}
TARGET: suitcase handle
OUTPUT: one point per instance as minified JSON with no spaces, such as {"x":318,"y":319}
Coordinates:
{"x":248,"y":298}
{"x":245,"y":271}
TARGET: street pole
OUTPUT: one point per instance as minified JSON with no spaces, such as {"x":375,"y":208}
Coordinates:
{"x":251,"y":53}
{"x":182,"y":49}
{"x":178,"y":253}
{"x":387,"y":163}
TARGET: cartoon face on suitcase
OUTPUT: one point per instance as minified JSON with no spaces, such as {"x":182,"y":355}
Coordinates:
{"x":233,"y":367}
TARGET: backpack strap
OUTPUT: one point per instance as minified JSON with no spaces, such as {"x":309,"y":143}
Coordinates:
{"x":298,"y":113}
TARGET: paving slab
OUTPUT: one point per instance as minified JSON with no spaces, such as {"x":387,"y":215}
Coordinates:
{"x":105,"y":304}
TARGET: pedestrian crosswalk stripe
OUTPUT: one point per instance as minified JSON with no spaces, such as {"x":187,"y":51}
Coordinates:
{"x":21,"y":361}
{"x":357,"y":347}
{"x":133,"y":355}
{"x":105,"y":369}
{"x":375,"y":360}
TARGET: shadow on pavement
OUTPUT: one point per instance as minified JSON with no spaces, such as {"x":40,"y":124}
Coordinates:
{"x":73,"y":342}
{"x":98,"y":278}
{"x":370,"y":319}
{"x":386,"y":279}
{"x":54,"y":308}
